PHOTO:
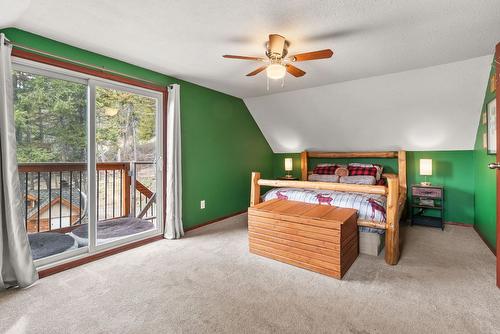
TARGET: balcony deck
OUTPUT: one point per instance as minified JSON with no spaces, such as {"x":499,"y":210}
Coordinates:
{"x":56,"y":203}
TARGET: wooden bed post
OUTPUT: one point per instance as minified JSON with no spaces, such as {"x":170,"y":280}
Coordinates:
{"x":392,"y":223}
{"x":402,"y":170}
{"x":255,"y":189}
{"x":303,"y":165}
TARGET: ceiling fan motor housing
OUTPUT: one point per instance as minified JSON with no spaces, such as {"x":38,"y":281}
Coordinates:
{"x":277,"y":47}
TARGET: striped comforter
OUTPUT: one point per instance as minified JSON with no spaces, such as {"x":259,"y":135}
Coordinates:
{"x":369,"y":206}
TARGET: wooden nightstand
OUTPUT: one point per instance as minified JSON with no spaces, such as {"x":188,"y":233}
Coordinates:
{"x":293,"y":178}
{"x":425,"y":199}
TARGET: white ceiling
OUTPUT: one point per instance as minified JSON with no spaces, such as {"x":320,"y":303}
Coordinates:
{"x":435,"y":108}
{"x":186,"y":39}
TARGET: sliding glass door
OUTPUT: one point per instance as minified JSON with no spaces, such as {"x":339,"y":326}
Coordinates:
{"x":51,"y":134}
{"x":88,"y":151}
{"x":126,"y":155}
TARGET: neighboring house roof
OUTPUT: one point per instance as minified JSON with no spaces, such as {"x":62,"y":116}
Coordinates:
{"x":76,"y":199}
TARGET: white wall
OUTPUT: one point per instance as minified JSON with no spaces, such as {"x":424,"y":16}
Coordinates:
{"x":434,"y":108}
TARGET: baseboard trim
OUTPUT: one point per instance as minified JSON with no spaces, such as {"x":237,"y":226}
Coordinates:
{"x":72,"y":264}
{"x":492,"y":249}
{"x":187,"y":229}
{"x":459,"y":224}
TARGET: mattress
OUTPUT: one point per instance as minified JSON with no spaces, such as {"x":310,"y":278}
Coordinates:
{"x":369,"y":206}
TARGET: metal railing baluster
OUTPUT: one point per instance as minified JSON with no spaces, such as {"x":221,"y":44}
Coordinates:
{"x":26,"y":202}
{"x":70,"y":197}
{"x":105,"y":194}
{"x":121,"y":193}
{"x":80,"y":194}
{"x":50,"y":199}
{"x":38,"y":204}
{"x":114,"y":174}
{"x":60,"y":197}
{"x":97,"y":195}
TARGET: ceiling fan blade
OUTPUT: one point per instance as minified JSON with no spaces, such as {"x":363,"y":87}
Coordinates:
{"x":243,"y":57}
{"x":321,"y":54}
{"x":260,"y":69}
{"x":276,"y":44}
{"x":296,"y":72}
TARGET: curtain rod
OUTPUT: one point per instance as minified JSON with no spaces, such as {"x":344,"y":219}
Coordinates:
{"x":92,"y":66}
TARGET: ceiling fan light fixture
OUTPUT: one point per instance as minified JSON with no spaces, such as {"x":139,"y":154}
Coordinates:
{"x":276,"y":71}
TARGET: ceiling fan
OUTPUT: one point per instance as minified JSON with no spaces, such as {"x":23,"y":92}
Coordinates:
{"x":278,"y":62}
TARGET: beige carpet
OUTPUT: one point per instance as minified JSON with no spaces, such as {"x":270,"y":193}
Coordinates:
{"x":209,"y":283}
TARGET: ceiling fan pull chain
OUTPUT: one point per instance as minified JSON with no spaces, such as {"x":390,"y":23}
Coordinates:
{"x":268,"y":84}
{"x":283,"y":82}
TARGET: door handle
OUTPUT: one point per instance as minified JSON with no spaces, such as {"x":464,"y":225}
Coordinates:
{"x":494,"y":165}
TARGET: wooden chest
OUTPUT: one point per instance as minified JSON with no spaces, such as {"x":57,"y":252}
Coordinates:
{"x":316,"y":237}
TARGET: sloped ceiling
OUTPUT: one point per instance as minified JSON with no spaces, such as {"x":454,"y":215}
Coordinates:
{"x":186,"y":39}
{"x":435,"y":108}
{"x":423,"y":105}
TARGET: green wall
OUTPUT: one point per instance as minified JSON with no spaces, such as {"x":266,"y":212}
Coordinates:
{"x":221,"y":143}
{"x":452,"y":169}
{"x":485,"y":180}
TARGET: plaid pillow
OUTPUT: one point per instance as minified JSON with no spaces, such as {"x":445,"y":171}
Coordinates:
{"x":358,"y":170}
{"x":380,"y":168}
{"x":325,"y":170}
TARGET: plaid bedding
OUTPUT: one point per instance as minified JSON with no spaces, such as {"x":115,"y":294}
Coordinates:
{"x":325,"y":170}
{"x":380,"y":168}
{"x":369,"y":206}
{"x":365,"y":171}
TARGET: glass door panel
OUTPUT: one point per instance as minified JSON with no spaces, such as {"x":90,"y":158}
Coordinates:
{"x":51,"y":134}
{"x":126,"y":154}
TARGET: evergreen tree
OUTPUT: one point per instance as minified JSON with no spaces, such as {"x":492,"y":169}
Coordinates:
{"x":51,"y":121}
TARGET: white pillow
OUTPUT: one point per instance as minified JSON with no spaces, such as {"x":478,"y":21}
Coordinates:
{"x":358,"y":179}
{"x":323,"y":178}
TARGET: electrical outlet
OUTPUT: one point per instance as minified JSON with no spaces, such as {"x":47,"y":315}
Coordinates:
{"x":202,"y":204}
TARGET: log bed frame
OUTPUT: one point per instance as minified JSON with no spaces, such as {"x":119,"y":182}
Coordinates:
{"x":395,"y":190}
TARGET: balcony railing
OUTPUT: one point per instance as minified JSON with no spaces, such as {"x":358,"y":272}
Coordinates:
{"x":56,"y":196}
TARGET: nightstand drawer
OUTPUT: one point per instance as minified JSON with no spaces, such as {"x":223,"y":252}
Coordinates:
{"x":427,"y":192}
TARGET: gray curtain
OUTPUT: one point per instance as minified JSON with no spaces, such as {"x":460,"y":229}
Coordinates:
{"x":16,"y":263}
{"x":173,"y":216}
